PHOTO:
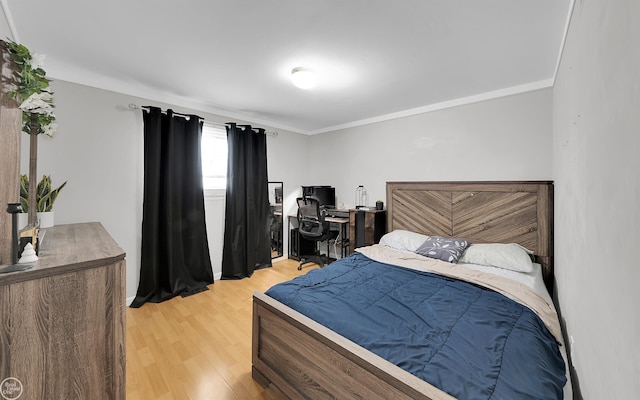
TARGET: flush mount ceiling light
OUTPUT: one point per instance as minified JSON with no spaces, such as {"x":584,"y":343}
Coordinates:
{"x":304,"y":78}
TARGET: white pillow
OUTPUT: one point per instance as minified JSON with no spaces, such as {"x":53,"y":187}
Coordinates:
{"x":403,"y":240}
{"x":510,"y":256}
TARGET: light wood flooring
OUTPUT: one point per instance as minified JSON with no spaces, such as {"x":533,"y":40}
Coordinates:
{"x":199,"y":347}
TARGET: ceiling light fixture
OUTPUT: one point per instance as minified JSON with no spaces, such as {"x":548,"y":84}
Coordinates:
{"x":304,"y":78}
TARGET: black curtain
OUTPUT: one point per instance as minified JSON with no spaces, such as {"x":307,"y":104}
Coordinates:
{"x":175,"y":252}
{"x":246,"y":229}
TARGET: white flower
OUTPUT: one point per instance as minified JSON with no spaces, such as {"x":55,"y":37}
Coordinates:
{"x":39,"y":103}
{"x":37,"y":60}
{"x":49,"y":129}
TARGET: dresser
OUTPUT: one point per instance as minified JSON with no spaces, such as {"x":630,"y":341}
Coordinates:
{"x":62,"y":332}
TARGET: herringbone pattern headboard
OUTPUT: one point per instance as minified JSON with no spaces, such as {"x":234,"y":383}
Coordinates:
{"x":481,"y":212}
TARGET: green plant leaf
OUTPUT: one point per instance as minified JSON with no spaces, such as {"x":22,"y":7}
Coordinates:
{"x":29,"y":81}
{"x":45,"y":195}
{"x":53,"y":196}
{"x":24,"y":193}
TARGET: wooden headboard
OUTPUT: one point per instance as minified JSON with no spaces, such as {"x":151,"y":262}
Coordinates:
{"x":481,"y":212}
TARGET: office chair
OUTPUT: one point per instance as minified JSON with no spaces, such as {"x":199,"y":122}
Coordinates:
{"x":275,"y":230}
{"x":312,"y":226}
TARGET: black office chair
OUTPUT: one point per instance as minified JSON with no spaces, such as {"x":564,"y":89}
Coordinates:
{"x":275,"y":230}
{"x":312,"y":226}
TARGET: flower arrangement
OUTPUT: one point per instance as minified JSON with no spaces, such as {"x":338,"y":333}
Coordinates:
{"x":32,"y":92}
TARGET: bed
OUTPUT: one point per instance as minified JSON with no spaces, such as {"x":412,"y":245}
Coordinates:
{"x":308,"y":359}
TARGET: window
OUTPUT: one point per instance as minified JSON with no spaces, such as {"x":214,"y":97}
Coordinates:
{"x":214,"y":160}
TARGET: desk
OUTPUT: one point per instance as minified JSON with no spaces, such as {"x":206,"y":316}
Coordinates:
{"x":343,"y":238}
{"x":299,"y":246}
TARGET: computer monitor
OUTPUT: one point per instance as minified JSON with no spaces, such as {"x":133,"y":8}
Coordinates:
{"x":326,"y":195}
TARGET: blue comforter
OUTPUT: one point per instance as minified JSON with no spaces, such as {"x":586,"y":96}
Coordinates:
{"x":470,"y":342}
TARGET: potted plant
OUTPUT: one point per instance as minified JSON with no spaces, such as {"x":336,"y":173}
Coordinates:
{"x":46,"y":195}
{"x":35,"y":98}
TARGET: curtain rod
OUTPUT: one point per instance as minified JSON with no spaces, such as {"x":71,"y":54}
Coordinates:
{"x":133,"y":106}
{"x":147,"y":108}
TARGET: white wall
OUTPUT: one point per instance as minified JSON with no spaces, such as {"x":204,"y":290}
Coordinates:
{"x":508,"y":138}
{"x":5,"y":32}
{"x":98,"y":148}
{"x":597,"y":185}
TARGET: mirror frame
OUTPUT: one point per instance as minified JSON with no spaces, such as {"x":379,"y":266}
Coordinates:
{"x":276,"y":231}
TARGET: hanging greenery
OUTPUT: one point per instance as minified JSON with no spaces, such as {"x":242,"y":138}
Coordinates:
{"x":32,"y":91}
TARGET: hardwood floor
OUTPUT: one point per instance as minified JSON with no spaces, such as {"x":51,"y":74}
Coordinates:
{"x":199,"y":347}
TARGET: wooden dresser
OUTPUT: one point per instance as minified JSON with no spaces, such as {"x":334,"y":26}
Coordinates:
{"x":62,"y":332}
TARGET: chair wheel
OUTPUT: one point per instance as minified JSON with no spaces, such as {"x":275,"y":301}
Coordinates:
{"x":299,"y":267}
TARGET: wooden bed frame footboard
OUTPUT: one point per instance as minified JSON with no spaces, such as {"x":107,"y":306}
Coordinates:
{"x":305,"y":360}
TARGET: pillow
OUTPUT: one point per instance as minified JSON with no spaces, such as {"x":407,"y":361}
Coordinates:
{"x":510,"y":256}
{"x":445,"y":249}
{"x":403,"y":240}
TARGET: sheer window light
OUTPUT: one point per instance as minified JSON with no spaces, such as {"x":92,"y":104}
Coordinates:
{"x":214,"y":160}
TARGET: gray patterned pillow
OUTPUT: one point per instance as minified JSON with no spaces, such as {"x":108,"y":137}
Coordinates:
{"x":445,"y":249}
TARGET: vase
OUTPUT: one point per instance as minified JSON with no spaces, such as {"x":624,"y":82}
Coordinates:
{"x":45,"y":219}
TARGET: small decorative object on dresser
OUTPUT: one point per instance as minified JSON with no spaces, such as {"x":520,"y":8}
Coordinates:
{"x":379,"y":205}
{"x":28,"y":255}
